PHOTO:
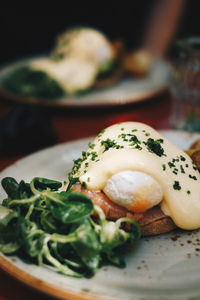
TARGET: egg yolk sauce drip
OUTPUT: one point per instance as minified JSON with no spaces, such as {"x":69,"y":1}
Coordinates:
{"x":133,"y":146}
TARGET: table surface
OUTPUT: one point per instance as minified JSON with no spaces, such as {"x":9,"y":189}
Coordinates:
{"x":71,"y":124}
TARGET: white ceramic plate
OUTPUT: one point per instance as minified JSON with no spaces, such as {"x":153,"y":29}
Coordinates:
{"x":125,"y":91}
{"x":158,"y":268}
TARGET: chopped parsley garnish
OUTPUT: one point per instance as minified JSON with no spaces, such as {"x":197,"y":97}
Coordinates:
{"x":192,"y":177}
{"x":175,"y":160}
{"x":134,"y":139}
{"x":182,"y":158}
{"x":186,"y":165}
{"x":122,"y":129}
{"x":91,"y":146}
{"x":78,"y":162}
{"x":164,"y":167}
{"x":182,"y":169}
{"x":188,"y":192}
{"x":101,"y":132}
{"x":138,"y":147}
{"x":175,"y":172}
{"x":176,"y":185}
{"x":147,"y":134}
{"x":171,"y":165}
{"x":123,"y":136}
{"x":154,"y":146}
{"x":83,"y":184}
{"x":108,"y":143}
{"x":94,"y":155}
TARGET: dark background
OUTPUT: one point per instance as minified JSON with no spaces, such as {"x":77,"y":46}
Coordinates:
{"x":26,"y":35}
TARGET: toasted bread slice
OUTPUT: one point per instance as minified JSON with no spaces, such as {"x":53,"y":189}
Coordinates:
{"x":117,"y":72}
{"x":152,"y":222}
{"x":194,"y":153}
{"x":137,"y":63}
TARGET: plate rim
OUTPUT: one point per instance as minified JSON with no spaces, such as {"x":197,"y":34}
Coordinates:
{"x":41,"y":285}
{"x":8,"y":96}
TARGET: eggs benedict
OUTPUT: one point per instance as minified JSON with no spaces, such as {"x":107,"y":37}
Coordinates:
{"x":80,"y":55}
{"x":132,"y":170}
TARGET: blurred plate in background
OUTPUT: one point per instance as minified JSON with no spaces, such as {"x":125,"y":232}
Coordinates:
{"x":128,"y":90}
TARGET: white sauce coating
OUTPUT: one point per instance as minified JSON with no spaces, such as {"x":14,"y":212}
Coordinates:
{"x":116,"y":149}
{"x":73,"y":74}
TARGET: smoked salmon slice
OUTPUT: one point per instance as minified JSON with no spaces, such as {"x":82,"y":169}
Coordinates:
{"x":152,"y":222}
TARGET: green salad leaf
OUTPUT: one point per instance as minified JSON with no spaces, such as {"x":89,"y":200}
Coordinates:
{"x":32,"y":83}
{"x":106,"y":69}
{"x":50,"y":226}
{"x":76,"y":206}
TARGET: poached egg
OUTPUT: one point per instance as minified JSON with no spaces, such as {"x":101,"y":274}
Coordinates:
{"x":136,"y":191}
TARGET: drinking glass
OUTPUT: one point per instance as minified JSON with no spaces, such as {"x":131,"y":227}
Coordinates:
{"x":185,"y":86}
